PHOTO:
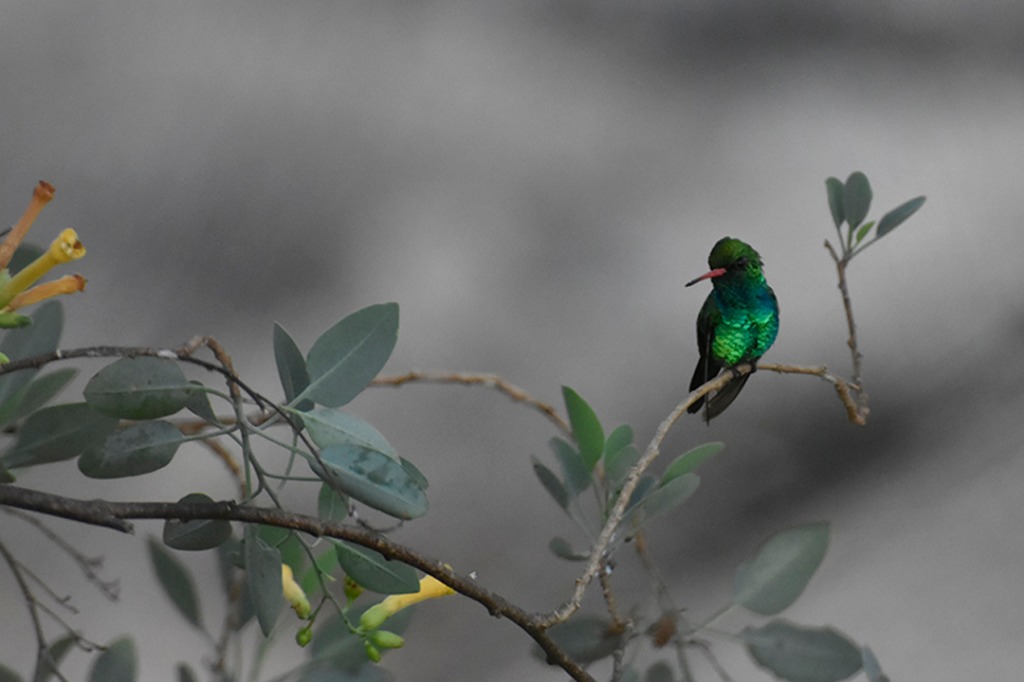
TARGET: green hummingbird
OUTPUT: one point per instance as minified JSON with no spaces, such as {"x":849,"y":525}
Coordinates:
{"x":737,"y":323}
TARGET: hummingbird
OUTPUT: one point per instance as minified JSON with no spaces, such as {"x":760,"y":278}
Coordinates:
{"x":737,"y":323}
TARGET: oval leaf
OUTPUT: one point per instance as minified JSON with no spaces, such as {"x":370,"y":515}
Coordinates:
{"x":856,"y":198}
{"x":41,"y":337}
{"x":135,"y":450}
{"x":618,"y":465}
{"x":185,"y":673}
{"x":138,"y":388}
{"x":49,"y":662}
{"x":586,"y":428}
{"x":372,"y":478}
{"x":872,"y":669}
{"x":346,"y":357}
{"x":291,"y":367}
{"x":834,"y":190}
{"x":198,"y":534}
{"x":176,"y":581}
{"x":782,"y":568}
{"x":663,"y":499}
{"x":619,"y":438}
{"x":34,"y":395}
{"x":116,"y":664}
{"x":561,"y":548}
{"x":262,"y":579}
{"x":587,"y":638}
{"x":374,"y":572}
{"x":690,"y":460}
{"x":552,"y":484}
{"x":574,"y":469}
{"x":333,"y":427}
{"x":894,"y":218}
{"x":56,"y":433}
{"x":330,"y":505}
{"x":802,"y":654}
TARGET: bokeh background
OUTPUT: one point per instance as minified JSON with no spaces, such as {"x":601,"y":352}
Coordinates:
{"x":534,"y":182}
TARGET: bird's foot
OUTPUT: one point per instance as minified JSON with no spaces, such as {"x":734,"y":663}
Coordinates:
{"x":736,"y":373}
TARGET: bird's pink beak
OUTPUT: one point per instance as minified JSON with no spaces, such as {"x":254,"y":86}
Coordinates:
{"x":717,"y":272}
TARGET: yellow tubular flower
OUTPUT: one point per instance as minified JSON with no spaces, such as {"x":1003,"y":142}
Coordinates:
{"x":430,"y":588}
{"x":293,"y":593}
{"x":66,"y":247}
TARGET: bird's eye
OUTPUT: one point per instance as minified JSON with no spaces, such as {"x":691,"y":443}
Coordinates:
{"x":741,"y":263}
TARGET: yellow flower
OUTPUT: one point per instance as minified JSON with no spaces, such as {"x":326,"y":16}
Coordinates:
{"x":14,"y":291}
{"x":430,"y":588}
{"x":293,"y":593}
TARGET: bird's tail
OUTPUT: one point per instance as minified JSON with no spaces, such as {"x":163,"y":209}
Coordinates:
{"x":722,"y":399}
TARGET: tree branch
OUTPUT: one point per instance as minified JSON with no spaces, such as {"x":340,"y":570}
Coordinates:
{"x":116,"y":514}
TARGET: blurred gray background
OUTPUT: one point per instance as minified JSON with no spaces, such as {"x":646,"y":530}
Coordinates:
{"x":534,"y":182}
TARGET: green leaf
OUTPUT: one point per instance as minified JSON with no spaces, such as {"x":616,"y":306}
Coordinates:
{"x":333,"y":427}
{"x":894,"y":218}
{"x":135,"y":450}
{"x":659,"y":672}
{"x":185,"y":673}
{"x":561,"y":548}
{"x":8,"y":675}
{"x":587,"y":638}
{"x":414,"y":473}
{"x":52,"y":657}
{"x":834,"y":190}
{"x":872,"y":669}
{"x":138,"y":388}
{"x":330,"y":505}
{"x":291,"y":368}
{"x":372,"y":478}
{"x":781,"y":569}
{"x":262,"y":578}
{"x":344,"y":360}
{"x":574,"y":469}
{"x":863,"y":231}
{"x":856,"y":198}
{"x":42,"y":337}
{"x":198,"y":403}
{"x":116,"y":664}
{"x":176,"y":581}
{"x":663,"y":499}
{"x":586,"y":428}
{"x":690,"y":460}
{"x":325,"y":562}
{"x":552,"y":484}
{"x":802,"y":654}
{"x":619,"y":438}
{"x":34,"y":395}
{"x":618,"y":465}
{"x":374,"y":572}
{"x":56,"y":433}
{"x":197,"y":534}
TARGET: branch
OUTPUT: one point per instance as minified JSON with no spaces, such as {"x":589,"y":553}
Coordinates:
{"x":862,"y":400}
{"x":116,"y":514}
{"x":492,"y":381}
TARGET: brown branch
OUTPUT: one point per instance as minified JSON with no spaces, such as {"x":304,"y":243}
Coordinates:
{"x":116,"y":515}
{"x":861,"y":403}
{"x":492,"y":381}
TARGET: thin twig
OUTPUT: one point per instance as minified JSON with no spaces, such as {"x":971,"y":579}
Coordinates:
{"x":862,"y":399}
{"x":88,"y":565}
{"x":492,"y":381}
